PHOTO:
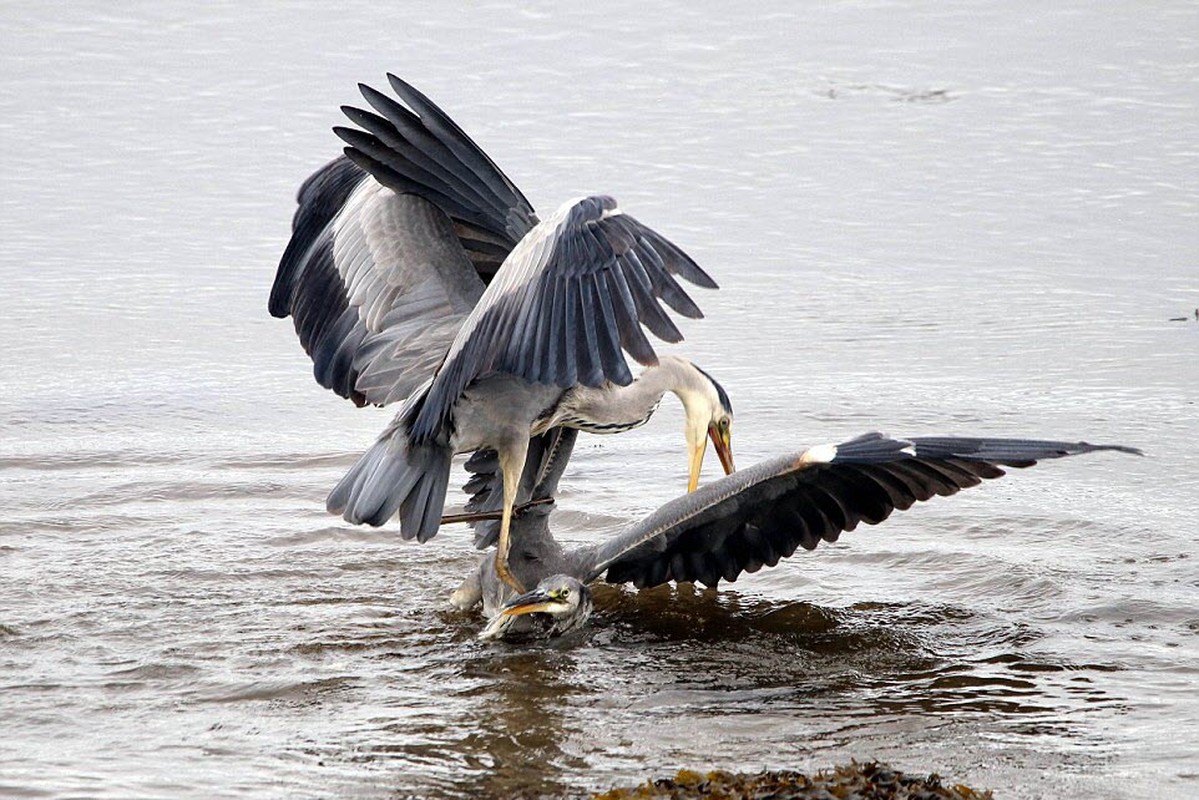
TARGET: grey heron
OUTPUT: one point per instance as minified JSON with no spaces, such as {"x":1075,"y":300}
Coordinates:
{"x":418,"y":272}
{"x":739,"y":523}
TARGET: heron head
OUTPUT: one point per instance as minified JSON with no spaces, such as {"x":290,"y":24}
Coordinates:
{"x":560,"y":603}
{"x":709,"y":416}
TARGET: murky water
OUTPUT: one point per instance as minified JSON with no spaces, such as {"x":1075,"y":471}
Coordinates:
{"x":970,"y":221}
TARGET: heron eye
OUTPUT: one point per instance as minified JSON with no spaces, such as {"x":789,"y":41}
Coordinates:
{"x":565,"y":593}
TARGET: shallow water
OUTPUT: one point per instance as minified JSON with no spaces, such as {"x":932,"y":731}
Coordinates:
{"x":923,"y":221}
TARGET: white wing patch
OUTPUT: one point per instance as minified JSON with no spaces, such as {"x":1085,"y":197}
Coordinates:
{"x":820,"y":454}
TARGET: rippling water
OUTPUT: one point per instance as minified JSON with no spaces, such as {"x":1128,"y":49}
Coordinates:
{"x":978,"y":220}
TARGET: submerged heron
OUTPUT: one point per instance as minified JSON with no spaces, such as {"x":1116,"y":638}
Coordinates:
{"x":418,"y":272}
{"x":737,"y":524}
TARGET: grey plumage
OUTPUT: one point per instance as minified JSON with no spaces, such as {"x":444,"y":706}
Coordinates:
{"x":568,"y":300}
{"x":541,"y":322}
{"x":417,"y":271}
{"x":387,"y":258}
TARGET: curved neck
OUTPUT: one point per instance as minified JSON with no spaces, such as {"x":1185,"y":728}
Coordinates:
{"x":612,"y":409}
{"x":671,"y":374}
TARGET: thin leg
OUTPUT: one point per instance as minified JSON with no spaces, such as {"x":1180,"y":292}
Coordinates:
{"x":512,"y":463}
{"x":501,"y":553}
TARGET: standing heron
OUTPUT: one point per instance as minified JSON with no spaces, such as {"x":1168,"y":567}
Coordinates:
{"x":737,"y":524}
{"x":418,"y":272}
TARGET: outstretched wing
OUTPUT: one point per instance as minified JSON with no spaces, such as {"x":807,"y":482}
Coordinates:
{"x":389,"y":254}
{"x":759,"y":515}
{"x":420,"y":150}
{"x":566,"y":304}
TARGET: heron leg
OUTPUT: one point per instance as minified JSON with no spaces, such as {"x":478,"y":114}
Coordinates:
{"x":512,"y":464}
{"x":501,"y":553}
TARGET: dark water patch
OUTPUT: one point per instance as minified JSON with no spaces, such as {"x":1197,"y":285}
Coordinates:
{"x":88,"y":461}
{"x":149,"y":675}
{"x":520,"y":739}
{"x":81,"y":522}
{"x":903,"y":94}
{"x":297,"y":691}
{"x":335,"y":535}
{"x":299,"y":462}
{"x":182,"y":491}
{"x":694,"y":613}
{"x":1030,"y":663}
{"x":16,"y":790}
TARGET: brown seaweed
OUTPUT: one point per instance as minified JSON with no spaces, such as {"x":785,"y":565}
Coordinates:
{"x":854,"y":781}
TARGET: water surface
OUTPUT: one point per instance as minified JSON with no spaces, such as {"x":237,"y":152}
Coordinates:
{"x":977,"y":220}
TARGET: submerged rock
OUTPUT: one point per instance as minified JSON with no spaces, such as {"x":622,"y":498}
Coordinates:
{"x":868,"y":781}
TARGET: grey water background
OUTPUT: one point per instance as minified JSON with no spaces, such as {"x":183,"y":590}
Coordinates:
{"x":976,"y":218}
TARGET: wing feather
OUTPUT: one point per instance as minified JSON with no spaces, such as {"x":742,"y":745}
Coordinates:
{"x":378,"y":295}
{"x":462,"y":146}
{"x":648,"y":310}
{"x":591,"y":371}
{"x":397,"y":173}
{"x":397,"y":128}
{"x":381,"y":137}
{"x":374,"y":276}
{"x":420,"y":150}
{"x":563,"y":258}
{"x":608,"y":331}
{"x":632,"y":337}
{"x":754,"y":517}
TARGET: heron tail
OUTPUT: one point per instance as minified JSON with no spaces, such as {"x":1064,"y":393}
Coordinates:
{"x":392,"y":477}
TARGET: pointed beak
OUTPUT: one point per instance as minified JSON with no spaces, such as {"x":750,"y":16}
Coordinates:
{"x":533,"y":602}
{"x":722,"y":442}
{"x":697,"y":462}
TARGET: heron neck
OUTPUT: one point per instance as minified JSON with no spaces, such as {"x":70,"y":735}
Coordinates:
{"x":612,"y":408}
{"x":670,"y":374}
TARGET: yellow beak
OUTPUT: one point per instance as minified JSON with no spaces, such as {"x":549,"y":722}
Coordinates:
{"x":697,"y":463}
{"x":529,"y":603}
{"x":530,"y":608}
{"x":722,"y":444}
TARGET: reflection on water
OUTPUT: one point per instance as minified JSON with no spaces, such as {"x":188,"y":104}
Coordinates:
{"x":500,"y":720}
{"x":923,"y":220}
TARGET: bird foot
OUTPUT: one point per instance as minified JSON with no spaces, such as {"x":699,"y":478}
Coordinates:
{"x":505,"y":574}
